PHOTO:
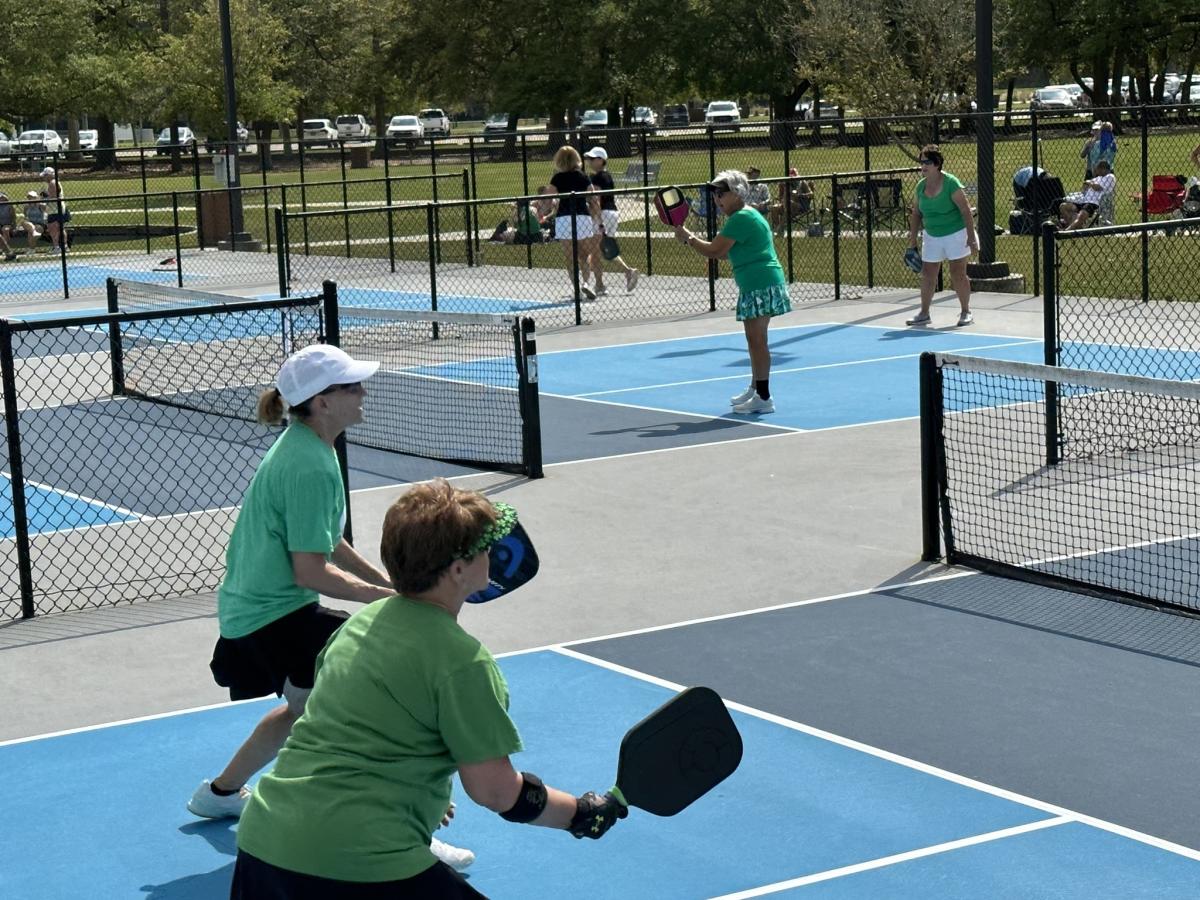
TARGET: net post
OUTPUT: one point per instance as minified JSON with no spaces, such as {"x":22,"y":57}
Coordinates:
{"x":531,"y":416}
{"x":116,"y":354}
{"x":16,"y":470}
{"x":281,"y":250}
{"x":1050,"y":348}
{"x":333,"y":337}
{"x":931,"y":410}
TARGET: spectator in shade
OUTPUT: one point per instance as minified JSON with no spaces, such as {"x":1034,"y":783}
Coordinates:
{"x":34,"y":212}
{"x":1077,"y":209}
{"x":795,"y":199}
{"x":759,"y":197}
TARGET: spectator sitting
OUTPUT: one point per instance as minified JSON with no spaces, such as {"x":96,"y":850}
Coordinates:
{"x":35,"y":217}
{"x":531,"y":219}
{"x":9,"y":226}
{"x":1077,"y":209}
{"x":760,"y":195}
{"x":795,"y":198}
{"x":7,"y":220}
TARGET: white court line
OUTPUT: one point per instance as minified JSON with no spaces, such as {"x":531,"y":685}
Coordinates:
{"x":687,"y":337}
{"x":91,"y":501}
{"x":905,"y":761}
{"x":885,"y":861}
{"x":794,"y":369}
{"x":676,"y":412}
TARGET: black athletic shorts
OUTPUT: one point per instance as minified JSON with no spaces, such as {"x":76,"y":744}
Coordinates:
{"x":285,"y":650}
{"x":254,"y":879}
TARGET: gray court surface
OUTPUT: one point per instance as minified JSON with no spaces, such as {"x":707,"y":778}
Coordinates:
{"x":1079,"y":702}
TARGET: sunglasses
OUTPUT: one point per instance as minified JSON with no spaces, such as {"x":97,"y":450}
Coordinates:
{"x":354,"y":387}
{"x":926,"y":162}
{"x":719,"y":192}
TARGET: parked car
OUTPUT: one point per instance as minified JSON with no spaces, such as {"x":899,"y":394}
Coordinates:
{"x":434,"y":121}
{"x":353,"y":128}
{"x":319,"y":131}
{"x":162,"y":145}
{"x":89,"y":139}
{"x":645,"y":117}
{"x":5,"y":143}
{"x":46,"y":141}
{"x":723,"y":114}
{"x":593,"y":121}
{"x":495,"y":126}
{"x":404,"y":130}
{"x":827,"y":110}
{"x":1051,"y":98}
{"x":1078,"y":98}
{"x":676,"y":116}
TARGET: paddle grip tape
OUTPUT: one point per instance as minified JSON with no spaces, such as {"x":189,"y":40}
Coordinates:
{"x":530,"y":802}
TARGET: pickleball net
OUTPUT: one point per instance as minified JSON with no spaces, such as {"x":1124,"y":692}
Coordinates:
{"x":455,"y":387}
{"x":1071,"y":478}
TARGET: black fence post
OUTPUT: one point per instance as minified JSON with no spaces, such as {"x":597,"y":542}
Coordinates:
{"x":712,"y":155}
{"x":466,"y":186}
{"x":16,"y":470}
{"x":787,"y":220}
{"x":178,"y":238}
{"x":525,"y":193}
{"x":531,"y":418}
{"x":433,"y":297}
{"x":145,"y":202}
{"x":1035,"y":143}
{"x":281,"y":250}
{"x":870,"y":229}
{"x":1145,"y":175}
{"x":62,"y":242}
{"x":391,"y":224}
{"x":575,"y":261}
{"x":1050,"y":348}
{"x":437,"y":213}
{"x":710,"y":230}
{"x":646,"y":201}
{"x":837,"y":237}
{"x":931,"y":407}
{"x":333,"y":337}
{"x":474,"y":191}
{"x":195,"y":166}
{"x":387,"y":156}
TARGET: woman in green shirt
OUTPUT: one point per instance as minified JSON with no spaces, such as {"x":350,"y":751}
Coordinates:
{"x":944,"y":217}
{"x":746,"y":240}
{"x":286,"y":551}
{"x":404,"y":698}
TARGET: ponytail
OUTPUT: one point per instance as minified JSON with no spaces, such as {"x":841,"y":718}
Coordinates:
{"x":270,"y":407}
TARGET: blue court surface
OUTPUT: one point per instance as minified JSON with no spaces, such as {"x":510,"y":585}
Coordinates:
{"x":35,"y":278}
{"x":100,"y":812}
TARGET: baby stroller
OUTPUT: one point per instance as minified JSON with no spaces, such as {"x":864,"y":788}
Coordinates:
{"x":1036,"y":196}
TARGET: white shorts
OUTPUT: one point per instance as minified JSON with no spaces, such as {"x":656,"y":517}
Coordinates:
{"x":611,"y":220}
{"x":584,"y":227}
{"x":937,"y":249}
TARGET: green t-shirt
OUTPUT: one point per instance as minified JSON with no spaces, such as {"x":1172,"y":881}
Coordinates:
{"x":295,"y":503}
{"x":755,"y":265}
{"x":940,"y":215}
{"x":403,"y":697}
{"x":527,"y":222}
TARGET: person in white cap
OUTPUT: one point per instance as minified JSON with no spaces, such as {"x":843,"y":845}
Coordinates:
{"x":58,"y":215}
{"x":610,"y":220}
{"x":287,"y":550}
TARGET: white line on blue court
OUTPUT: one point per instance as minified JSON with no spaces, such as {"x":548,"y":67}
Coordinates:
{"x":885,"y":861}
{"x":788,"y":371}
{"x":896,"y":758}
{"x":675,"y":412}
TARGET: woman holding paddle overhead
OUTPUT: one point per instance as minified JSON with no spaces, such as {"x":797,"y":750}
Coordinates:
{"x":404,"y":698}
{"x":746,"y":240}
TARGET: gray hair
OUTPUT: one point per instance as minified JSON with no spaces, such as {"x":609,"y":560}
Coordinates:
{"x":736,"y":180}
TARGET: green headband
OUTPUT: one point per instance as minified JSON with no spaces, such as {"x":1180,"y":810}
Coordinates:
{"x":506,"y":521}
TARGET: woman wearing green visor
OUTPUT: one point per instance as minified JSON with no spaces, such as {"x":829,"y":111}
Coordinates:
{"x":403,"y":699}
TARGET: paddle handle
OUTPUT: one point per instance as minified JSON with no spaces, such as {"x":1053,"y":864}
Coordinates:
{"x":616,"y":792}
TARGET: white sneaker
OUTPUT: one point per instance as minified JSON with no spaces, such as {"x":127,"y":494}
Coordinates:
{"x":207,"y":805}
{"x":455,"y":857}
{"x":965,"y":318}
{"x":756,"y":404}
{"x":588,"y":293}
{"x":631,"y":278}
{"x":920,"y":319}
{"x":743,"y":396}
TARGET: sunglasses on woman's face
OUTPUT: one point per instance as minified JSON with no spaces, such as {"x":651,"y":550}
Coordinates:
{"x":925,"y":162}
{"x":718,"y":193}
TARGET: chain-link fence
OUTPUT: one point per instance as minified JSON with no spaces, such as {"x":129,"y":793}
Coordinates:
{"x":113,"y":491}
{"x":835,"y":236}
{"x":179,"y":237}
{"x":1124,"y":299}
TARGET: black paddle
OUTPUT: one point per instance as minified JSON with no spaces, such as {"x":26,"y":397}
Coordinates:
{"x":678,"y":753}
{"x":609,"y":248}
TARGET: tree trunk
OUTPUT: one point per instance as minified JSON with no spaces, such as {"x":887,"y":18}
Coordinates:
{"x":783,"y":113}
{"x":617,"y":138}
{"x":285,"y":133}
{"x":176,"y":162}
{"x":73,"y":137}
{"x":1008,"y":99}
{"x":106,"y":144}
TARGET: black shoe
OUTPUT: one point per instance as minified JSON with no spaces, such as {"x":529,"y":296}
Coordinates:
{"x":500,"y":229}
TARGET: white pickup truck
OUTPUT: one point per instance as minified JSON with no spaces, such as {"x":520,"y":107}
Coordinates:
{"x":434,"y":121}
